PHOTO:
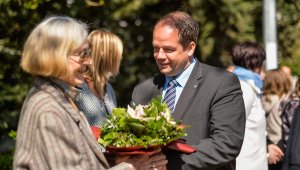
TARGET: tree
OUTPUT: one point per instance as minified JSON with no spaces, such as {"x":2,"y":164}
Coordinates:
{"x":288,"y":21}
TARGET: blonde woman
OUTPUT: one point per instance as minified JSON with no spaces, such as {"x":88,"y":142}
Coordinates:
{"x":97,"y":98}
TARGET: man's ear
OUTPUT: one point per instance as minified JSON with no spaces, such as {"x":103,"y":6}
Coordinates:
{"x":191,"y":48}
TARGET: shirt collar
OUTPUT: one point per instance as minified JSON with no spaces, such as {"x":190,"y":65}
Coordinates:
{"x":183,"y":77}
{"x":69,"y":90}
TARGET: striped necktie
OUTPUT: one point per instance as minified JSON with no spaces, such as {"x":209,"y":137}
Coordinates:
{"x":171,"y":94}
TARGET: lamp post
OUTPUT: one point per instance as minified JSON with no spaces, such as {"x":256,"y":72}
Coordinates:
{"x":270,"y":34}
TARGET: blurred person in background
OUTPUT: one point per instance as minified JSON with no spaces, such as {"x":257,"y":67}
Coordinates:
{"x":97,"y":98}
{"x":248,"y":58}
{"x":291,"y":126}
{"x":288,"y":71}
{"x":277,"y":85}
{"x":288,"y":111}
{"x":230,"y":68}
{"x":262,"y":73}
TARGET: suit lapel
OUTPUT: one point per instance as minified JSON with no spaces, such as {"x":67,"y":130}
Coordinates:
{"x":189,"y":90}
{"x":76,"y":115}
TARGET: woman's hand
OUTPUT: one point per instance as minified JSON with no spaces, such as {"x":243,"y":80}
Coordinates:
{"x":143,"y":162}
{"x":275,"y":154}
{"x":158,"y":161}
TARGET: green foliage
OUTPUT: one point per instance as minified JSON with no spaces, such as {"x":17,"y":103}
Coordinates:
{"x":6,"y":161}
{"x":223,"y":24}
{"x":33,"y":4}
{"x":288,"y":21}
{"x":6,"y":158}
{"x":13,"y":134}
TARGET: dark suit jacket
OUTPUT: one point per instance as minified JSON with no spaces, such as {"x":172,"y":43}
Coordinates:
{"x":212,"y":104}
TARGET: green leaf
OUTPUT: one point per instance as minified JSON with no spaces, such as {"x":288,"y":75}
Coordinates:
{"x":137,"y":128}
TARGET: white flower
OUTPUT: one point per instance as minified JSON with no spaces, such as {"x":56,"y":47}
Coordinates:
{"x":138,"y":113}
{"x":167,"y":115}
{"x":172,"y":122}
{"x":130,"y":111}
{"x":157,"y":117}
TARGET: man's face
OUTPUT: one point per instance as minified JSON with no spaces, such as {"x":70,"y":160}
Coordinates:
{"x":169,"y":54}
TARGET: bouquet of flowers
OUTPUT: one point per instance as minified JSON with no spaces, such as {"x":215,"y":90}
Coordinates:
{"x":141,"y":127}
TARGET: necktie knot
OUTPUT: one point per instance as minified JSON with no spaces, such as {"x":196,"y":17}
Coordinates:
{"x":173,"y":83}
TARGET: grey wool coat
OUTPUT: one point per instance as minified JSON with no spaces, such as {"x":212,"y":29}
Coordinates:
{"x":54,"y":135}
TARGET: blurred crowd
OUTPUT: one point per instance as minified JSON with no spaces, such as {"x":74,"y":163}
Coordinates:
{"x":273,"y":113}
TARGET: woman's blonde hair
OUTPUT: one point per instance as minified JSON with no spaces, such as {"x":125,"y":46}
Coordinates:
{"x":47,"y":48}
{"x":106,"y":54}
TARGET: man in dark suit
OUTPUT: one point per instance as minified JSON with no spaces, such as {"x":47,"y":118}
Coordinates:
{"x":207,"y":98}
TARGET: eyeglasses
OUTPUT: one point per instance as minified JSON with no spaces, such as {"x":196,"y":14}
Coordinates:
{"x":83,"y":55}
